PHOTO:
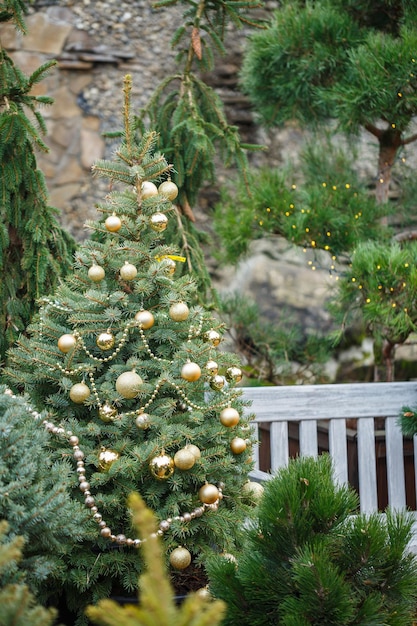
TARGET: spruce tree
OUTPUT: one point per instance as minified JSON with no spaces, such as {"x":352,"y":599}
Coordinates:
{"x":189,"y":116}
{"x":309,"y":558}
{"x":129,"y":365}
{"x":34,"y":250}
{"x":34,"y":497}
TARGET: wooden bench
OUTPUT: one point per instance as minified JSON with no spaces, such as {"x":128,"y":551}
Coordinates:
{"x":352,"y":416}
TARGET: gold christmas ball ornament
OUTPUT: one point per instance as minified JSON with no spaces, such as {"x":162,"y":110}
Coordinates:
{"x":79,"y":392}
{"x":66,"y":343}
{"x":113,"y":223}
{"x":143,"y":421}
{"x":168,"y":189}
{"x":179,"y":311}
{"x":128,"y":271}
{"x":96,"y":273}
{"x":128,"y":384}
{"x":238,"y":445}
{"x":213,"y":337}
{"x":233,"y":374}
{"x":184,"y":459}
{"x":195,"y":450}
{"x":191,"y":372}
{"x":158,"y":222}
{"x":145,"y":319}
{"x":106,"y":458}
{"x":148,"y":189}
{"x":180,"y":558}
{"x":208,"y":493}
{"x":204,"y":593}
{"x":253,"y":490}
{"x":162,"y":466}
{"x":107,"y":413}
{"x":169,"y":266}
{"x":217,"y":382}
{"x":212,"y":368}
{"x":229,"y":417}
{"x":105,"y":341}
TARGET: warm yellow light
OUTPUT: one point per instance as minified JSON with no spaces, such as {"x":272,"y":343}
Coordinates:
{"x":353,"y":279}
{"x":393,"y":305}
{"x":307,"y":230}
{"x":324,"y":184}
{"x":261,"y":223}
{"x":368,"y":300}
{"x":268,"y":210}
{"x":334,"y":187}
{"x":313,"y":243}
{"x":347,"y":186}
{"x":328,"y":233}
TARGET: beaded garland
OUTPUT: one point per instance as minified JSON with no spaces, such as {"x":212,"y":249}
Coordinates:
{"x":89,"y":501}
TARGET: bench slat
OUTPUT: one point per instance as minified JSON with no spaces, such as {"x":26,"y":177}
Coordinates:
{"x":279,"y":445}
{"x":395,"y":464}
{"x":367,"y":465}
{"x":338,"y":449}
{"x":308,"y":438}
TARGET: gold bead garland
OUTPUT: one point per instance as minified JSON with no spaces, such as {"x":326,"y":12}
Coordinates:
{"x":89,"y":501}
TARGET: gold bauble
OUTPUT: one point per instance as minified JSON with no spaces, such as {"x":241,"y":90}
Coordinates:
{"x":158,"y":222}
{"x":79,"y":392}
{"x":128,"y":271}
{"x":212,"y":336}
{"x":180,"y":558}
{"x":238,"y":445}
{"x":217,"y":382}
{"x":191,"y":372}
{"x":128,"y":384}
{"x":169,"y":189}
{"x":66,"y":342}
{"x":169,"y":266}
{"x":233,"y":374}
{"x":179,"y":311}
{"x":212,"y":368}
{"x":184,"y":459}
{"x":148,"y":189}
{"x":229,"y":417}
{"x":194,"y":450}
{"x":162,"y":466}
{"x":208,"y":493}
{"x":107,"y":413}
{"x":96,"y":273}
{"x":252,"y":490}
{"x":143,"y":421}
{"x":106,"y":458}
{"x":113,"y":223}
{"x":145,"y":319}
{"x":105,"y":341}
{"x":204,"y":593}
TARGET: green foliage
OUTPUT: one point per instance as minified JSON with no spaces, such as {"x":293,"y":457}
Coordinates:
{"x":311,"y":559}
{"x":278,"y":352}
{"x":324,"y":206}
{"x":156,"y":596}
{"x":109,"y":419}
{"x":34,"y":250}
{"x":17,"y":604}
{"x":326,"y":60}
{"x":34,"y":496}
{"x":380,"y":284}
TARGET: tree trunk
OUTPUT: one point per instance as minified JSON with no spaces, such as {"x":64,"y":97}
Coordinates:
{"x":389,"y":142}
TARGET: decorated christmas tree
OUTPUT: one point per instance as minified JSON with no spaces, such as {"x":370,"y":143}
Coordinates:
{"x":130,"y":369}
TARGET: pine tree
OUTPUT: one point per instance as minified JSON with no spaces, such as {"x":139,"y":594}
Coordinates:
{"x":34,"y":250}
{"x":342,"y":60}
{"x":128,"y":363}
{"x":310,"y":559}
{"x":34,"y":497}
{"x":18,"y":606}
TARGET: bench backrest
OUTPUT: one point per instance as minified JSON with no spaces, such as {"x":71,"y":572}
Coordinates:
{"x":347,"y":412}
